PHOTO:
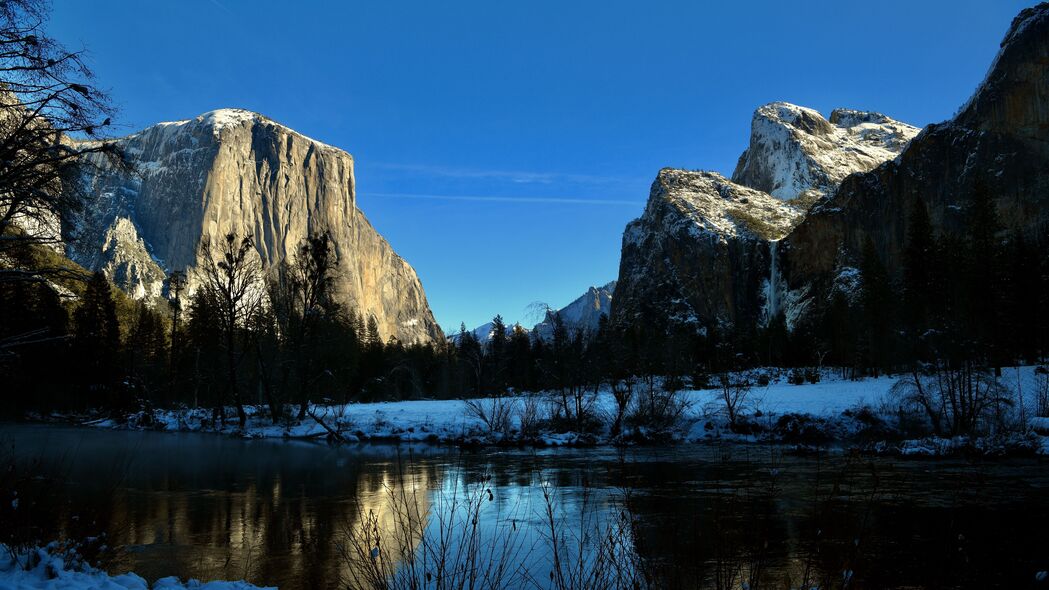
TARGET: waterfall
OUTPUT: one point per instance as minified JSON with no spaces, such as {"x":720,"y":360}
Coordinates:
{"x":772,"y":295}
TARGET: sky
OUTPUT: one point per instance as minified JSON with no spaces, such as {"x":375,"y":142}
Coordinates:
{"x":502,"y":147}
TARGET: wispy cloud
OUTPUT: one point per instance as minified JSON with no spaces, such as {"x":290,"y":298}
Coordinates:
{"x":509,"y":199}
{"x":221,"y":7}
{"x":514,"y":176}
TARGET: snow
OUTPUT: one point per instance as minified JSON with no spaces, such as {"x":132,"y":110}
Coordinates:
{"x":219,"y":120}
{"x":55,"y":567}
{"x":711,"y":205}
{"x":450,"y":421}
{"x":797,"y":153}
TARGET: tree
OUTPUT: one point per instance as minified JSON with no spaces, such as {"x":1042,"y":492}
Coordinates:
{"x":520,"y":362}
{"x":497,"y":351}
{"x":97,"y":333}
{"x":982,"y":274}
{"x":231,"y":274}
{"x":176,"y":286}
{"x":204,"y":349}
{"x":146,"y":341}
{"x":310,"y":277}
{"x":877,"y":298}
{"x":918,"y":256}
{"x":47,"y":98}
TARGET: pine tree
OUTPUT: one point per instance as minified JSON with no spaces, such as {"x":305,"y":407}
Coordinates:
{"x":983,"y":288}
{"x":918,"y":255}
{"x":497,"y":346}
{"x":97,"y":333}
{"x":877,"y":301}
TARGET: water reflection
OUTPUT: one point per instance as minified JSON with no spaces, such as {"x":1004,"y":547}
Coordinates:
{"x":692,"y":516}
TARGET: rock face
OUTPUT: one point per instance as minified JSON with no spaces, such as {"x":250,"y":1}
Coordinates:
{"x":236,"y":171}
{"x":794,"y":152}
{"x":999,"y":139}
{"x":705,"y":252}
{"x":700,"y":253}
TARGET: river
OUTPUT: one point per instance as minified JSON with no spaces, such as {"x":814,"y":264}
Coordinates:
{"x":698,"y":516}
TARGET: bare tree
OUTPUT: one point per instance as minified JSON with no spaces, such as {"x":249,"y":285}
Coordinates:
{"x":734,"y":389}
{"x":311,"y":277}
{"x":231,"y":273}
{"x":497,"y":412}
{"x":52,"y":121}
{"x":958,"y":398}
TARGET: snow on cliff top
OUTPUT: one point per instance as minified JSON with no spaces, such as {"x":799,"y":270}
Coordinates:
{"x":712,"y":204}
{"x":795,"y":152}
{"x":222,"y":119}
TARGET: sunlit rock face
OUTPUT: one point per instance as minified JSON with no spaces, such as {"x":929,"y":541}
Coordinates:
{"x":236,"y":171}
{"x":795,"y":152}
{"x":999,"y":139}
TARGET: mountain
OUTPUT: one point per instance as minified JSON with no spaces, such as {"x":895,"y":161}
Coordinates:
{"x":795,"y":152}
{"x":704,"y":255}
{"x":232,"y":170}
{"x":583,"y":313}
{"x":999,"y":140}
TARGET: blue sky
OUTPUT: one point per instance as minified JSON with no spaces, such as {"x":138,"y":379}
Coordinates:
{"x":501,"y":147}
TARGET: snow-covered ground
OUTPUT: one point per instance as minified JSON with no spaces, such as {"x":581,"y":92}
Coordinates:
{"x":55,"y":568}
{"x":451,"y":421}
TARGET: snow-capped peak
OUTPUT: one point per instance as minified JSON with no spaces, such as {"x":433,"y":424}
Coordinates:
{"x":795,"y":152}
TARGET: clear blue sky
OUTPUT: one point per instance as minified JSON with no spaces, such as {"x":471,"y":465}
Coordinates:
{"x":551,"y":118}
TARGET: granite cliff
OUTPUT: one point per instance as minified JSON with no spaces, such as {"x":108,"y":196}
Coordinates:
{"x":236,"y":171}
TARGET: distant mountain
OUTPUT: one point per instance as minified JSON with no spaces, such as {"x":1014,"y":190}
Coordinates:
{"x":235,"y":170}
{"x":703,"y":254}
{"x":584,"y":313}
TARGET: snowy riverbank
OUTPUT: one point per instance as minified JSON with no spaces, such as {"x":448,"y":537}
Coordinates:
{"x":866,"y":412}
{"x":59,"y":568}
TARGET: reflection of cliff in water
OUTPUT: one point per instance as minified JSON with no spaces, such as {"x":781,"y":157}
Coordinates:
{"x":276,"y":512}
{"x":216,"y":508}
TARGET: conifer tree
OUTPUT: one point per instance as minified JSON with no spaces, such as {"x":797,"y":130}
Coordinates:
{"x":877,"y":300}
{"x":918,"y":255}
{"x":97,"y":333}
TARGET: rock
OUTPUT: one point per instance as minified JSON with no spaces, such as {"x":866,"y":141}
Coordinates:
{"x":999,"y":138}
{"x":125,"y":259}
{"x":795,"y":153}
{"x":699,"y":253}
{"x":705,"y":253}
{"x":236,"y":171}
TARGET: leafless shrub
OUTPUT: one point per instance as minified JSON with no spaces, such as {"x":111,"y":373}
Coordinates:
{"x":1041,"y":391}
{"x":414,"y":543}
{"x":530,"y":414}
{"x":655,"y":407}
{"x":496,"y":412}
{"x":957,"y":398}
{"x":734,"y":390}
{"x":590,"y":552}
{"x":622,"y":394}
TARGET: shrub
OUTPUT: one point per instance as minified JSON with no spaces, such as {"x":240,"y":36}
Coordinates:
{"x":496,"y":412}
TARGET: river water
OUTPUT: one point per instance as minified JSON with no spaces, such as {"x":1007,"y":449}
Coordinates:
{"x":699,"y":516}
